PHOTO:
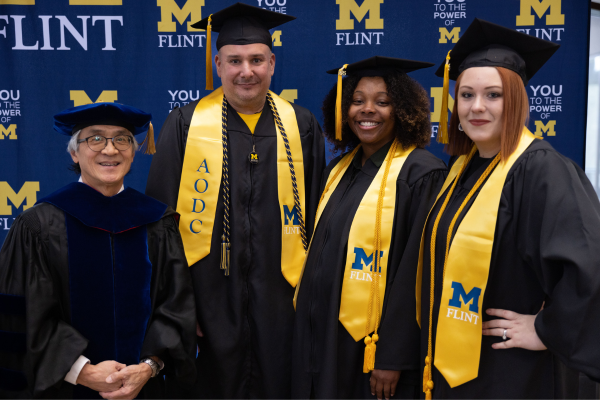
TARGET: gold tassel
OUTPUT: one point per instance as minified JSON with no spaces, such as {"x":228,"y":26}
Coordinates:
{"x":209,"y":73}
{"x":367,"y":354}
{"x":427,"y":382}
{"x":223,"y":252}
{"x":338,"y":104}
{"x":443,"y":127}
{"x":148,"y":142}
{"x":370,"y":349}
{"x":374,"y":340}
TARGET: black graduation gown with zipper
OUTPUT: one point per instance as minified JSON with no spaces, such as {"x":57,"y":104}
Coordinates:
{"x":247,"y":317}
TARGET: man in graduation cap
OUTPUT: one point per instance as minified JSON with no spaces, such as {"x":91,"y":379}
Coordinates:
{"x":242,"y":166}
{"x":94,"y":286}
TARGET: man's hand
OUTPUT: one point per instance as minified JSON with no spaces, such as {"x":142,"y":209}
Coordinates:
{"x":94,"y":376}
{"x":383,"y":383}
{"x":134,"y":377}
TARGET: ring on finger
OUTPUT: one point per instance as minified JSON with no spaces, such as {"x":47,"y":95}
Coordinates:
{"x":504,"y":335}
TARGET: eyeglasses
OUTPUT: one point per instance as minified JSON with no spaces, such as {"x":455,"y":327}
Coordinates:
{"x":98,"y":143}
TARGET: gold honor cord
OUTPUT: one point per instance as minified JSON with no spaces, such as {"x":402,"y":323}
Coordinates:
{"x":466,"y":262}
{"x":290,"y":176}
{"x":368,"y":247}
{"x":206,"y":161}
{"x":427,"y":373}
{"x":370,"y":346}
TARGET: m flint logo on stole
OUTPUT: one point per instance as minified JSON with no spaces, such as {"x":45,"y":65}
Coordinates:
{"x":361,"y":259}
{"x":460,"y":293}
{"x":291,"y":218}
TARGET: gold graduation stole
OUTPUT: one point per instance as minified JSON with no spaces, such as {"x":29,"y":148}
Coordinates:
{"x":369,"y":240}
{"x":466,"y":270}
{"x":205,"y":164}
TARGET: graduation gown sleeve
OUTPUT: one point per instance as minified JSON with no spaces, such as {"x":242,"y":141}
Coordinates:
{"x":399,"y":333}
{"x":558,"y":233}
{"x":171,"y":333}
{"x":313,"y":151}
{"x":165,"y":171}
{"x":44,"y":345}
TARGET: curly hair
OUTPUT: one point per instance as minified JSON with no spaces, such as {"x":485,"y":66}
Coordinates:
{"x":411,"y":109}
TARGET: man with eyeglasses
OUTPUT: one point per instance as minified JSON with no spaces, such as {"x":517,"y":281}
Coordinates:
{"x":94,"y":285}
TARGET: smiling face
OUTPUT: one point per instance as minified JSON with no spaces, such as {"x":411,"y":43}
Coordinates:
{"x":371,"y":114}
{"x":480,"y":107}
{"x":103,"y":170}
{"x":245,"y":72}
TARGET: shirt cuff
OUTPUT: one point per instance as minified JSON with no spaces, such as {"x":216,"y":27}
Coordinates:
{"x":76,"y":369}
{"x":161,"y":364}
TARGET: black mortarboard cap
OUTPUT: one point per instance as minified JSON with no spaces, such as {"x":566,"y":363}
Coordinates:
{"x":243,"y":24}
{"x":485,"y":44}
{"x":381,"y":66}
{"x":374,"y":66}
{"x":239,"y":24}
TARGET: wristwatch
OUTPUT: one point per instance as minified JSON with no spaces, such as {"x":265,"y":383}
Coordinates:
{"x":153,"y":364}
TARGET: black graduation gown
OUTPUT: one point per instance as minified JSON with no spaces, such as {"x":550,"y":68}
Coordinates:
{"x":325,"y":355}
{"x":40,"y":344}
{"x":546,"y":249}
{"x":247,"y":317}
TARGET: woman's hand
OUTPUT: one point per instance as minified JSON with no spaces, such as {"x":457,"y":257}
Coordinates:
{"x":383,"y":383}
{"x":519,"y":330}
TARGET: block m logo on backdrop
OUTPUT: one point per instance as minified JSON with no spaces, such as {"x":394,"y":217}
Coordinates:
{"x":27,"y":194}
{"x":554,"y":17}
{"x":170,"y":9}
{"x":80,"y":97}
{"x":348,"y":7}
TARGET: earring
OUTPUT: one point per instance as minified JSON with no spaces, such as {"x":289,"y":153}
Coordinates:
{"x":460,"y":128}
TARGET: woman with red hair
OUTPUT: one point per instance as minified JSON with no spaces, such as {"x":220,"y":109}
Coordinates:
{"x":508,"y":285}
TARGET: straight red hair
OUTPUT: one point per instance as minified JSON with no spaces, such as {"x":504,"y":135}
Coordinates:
{"x":515,"y":115}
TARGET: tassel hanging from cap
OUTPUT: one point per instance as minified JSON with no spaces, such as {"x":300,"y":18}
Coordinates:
{"x":338,"y":104}
{"x":443,"y":128}
{"x":209,"y":72}
{"x":148,"y":143}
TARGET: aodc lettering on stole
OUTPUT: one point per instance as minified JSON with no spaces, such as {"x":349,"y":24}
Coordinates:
{"x":200,"y":186}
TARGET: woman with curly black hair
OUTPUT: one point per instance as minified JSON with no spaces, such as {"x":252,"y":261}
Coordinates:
{"x":364,"y":251}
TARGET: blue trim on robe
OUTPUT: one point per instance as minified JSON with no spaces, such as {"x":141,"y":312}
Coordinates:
{"x":126,"y":210}
{"x":109,"y":269}
{"x":12,"y":304}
